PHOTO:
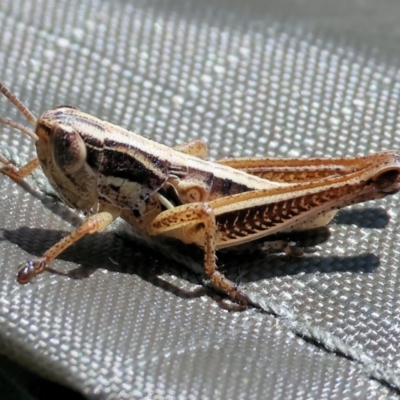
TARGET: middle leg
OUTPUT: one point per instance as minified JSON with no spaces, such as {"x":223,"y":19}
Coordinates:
{"x":196,"y":223}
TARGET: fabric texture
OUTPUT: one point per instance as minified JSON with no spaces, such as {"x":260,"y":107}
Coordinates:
{"x":276,"y":79}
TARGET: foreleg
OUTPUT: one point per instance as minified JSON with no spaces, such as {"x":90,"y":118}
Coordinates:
{"x":94,"y":223}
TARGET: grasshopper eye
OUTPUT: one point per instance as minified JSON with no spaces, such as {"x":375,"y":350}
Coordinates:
{"x":69,"y":149}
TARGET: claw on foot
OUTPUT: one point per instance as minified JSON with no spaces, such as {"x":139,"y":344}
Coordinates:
{"x":240,"y":298}
{"x":293,"y":250}
{"x":28,"y":270}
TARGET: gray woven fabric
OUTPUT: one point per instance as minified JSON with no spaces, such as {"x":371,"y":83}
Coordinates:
{"x":274,"y":79}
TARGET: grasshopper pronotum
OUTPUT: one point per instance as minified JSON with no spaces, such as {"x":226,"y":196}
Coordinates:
{"x":109,"y":172}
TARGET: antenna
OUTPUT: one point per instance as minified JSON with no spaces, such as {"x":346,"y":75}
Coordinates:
{"x":23,"y":109}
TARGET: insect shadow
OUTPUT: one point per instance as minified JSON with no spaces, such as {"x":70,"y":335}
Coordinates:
{"x":373,"y":217}
{"x":109,"y":251}
{"x":116,"y":253}
{"x":262,"y":259}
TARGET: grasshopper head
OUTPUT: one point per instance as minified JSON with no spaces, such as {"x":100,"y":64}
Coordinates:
{"x":66,"y":160}
{"x":67,"y":145}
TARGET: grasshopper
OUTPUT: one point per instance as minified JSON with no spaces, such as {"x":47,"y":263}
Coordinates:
{"x":108,"y":172}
